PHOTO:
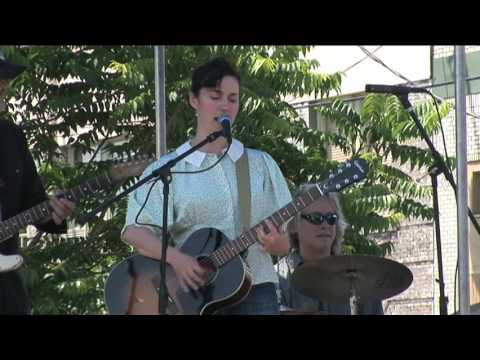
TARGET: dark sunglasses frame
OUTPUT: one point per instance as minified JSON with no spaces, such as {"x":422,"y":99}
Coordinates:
{"x":318,"y":218}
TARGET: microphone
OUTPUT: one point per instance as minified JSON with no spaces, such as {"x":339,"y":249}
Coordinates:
{"x":394,"y":89}
{"x":226,"y":122}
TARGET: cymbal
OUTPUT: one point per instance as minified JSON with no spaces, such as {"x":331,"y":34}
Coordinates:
{"x":330,"y":279}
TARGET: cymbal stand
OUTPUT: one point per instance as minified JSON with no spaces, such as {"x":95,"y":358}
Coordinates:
{"x":351,"y":274}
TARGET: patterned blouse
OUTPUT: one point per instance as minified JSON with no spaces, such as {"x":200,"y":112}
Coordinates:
{"x":210,"y":199}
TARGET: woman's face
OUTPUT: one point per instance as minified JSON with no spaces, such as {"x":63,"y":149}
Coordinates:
{"x":213,"y":102}
{"x":315,"y":238}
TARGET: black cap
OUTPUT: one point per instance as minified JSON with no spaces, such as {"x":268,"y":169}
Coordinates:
{"x":9,"y":71}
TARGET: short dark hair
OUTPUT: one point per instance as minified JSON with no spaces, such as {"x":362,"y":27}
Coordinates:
{"x":211,"y":73}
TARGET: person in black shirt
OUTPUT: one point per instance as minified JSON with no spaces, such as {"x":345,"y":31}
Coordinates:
{"x":20,"y":190}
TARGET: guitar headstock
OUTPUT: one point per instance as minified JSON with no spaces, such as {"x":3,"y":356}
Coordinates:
{"x":122,"y":171}
{"x":348,"y":173}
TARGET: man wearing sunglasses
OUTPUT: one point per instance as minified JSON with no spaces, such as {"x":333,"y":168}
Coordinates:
{"x":315,"y":233}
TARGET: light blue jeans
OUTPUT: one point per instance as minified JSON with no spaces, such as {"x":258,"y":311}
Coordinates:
{"x":262,"y":300}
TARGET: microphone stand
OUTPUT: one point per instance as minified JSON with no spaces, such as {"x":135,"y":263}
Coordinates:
{"x":165,"y":175}
{"x":434,"y":171}
{"x":438,"y":168}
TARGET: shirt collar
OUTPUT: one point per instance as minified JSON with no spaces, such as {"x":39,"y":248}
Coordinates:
{"x":196,"y":158}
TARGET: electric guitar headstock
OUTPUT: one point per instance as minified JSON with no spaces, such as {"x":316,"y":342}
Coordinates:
{"x":123,"y":171}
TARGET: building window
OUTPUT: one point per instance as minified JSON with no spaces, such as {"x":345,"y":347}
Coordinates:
{"x":475,"y":193}
{"x":474,"y":238}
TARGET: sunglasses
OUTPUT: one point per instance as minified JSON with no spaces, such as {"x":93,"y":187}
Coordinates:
{"x":318,"y":218}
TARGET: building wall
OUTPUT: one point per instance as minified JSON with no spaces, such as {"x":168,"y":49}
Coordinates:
{"x":413,"y":247}
{"x":448,"y":207}
{"x":423,"y":295}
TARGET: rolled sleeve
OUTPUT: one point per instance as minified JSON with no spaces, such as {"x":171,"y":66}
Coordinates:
{"x":152,"y":211}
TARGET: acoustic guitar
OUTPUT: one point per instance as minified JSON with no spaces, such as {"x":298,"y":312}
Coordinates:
{"x":133,"y":285}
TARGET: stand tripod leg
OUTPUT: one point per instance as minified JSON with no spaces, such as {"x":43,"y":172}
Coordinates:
{"x":443,"y":300}
{"x":353,"y":301}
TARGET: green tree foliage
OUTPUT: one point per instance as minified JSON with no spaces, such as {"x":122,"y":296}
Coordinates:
{"x":383,"y":133}
{"x":88,"y":93}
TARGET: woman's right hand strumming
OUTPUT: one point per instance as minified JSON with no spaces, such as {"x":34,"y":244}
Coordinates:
{"x":190,"y":273}
{"x":186,"y":267}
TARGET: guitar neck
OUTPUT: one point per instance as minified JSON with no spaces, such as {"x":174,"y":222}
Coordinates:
{"x":349,"y":173}
{"x":42,"y":212}
{"x":227,"y":252}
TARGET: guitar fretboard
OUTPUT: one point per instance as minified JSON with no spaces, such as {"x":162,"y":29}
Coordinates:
{"x":346,"y":175}
{"x":235,"y":247}
{"x":42,"y":212}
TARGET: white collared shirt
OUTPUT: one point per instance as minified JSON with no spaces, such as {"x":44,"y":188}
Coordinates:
{"x":196,"y":158}
{"x":210,"y":199}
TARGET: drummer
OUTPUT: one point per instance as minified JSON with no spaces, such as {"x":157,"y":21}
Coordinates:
{"x":315,"y":233}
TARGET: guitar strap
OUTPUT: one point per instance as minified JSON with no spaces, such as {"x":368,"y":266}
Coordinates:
{"x":244,"y":193}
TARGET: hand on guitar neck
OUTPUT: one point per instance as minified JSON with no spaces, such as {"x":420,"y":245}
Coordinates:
{"x":62,"y":208}
{"x":133,"y":285}
{"x":190,"y":273}
{"x":274,"y":241}
{"x":62,"y":205}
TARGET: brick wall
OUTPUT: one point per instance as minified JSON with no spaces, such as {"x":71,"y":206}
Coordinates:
{"x":413,"y":247}
{"x":448,"y":207}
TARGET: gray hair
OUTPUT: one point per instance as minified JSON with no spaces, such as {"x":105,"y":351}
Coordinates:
{"x":292,"y":226}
